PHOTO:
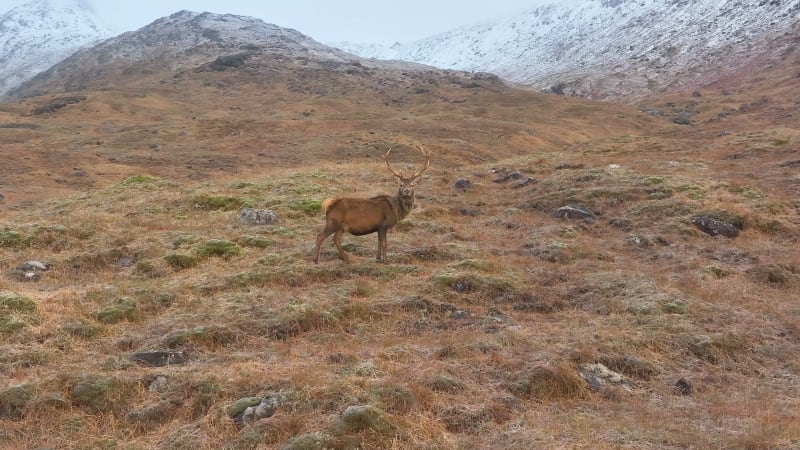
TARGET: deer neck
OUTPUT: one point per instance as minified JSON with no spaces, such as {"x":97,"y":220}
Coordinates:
{"x":404,"y":206}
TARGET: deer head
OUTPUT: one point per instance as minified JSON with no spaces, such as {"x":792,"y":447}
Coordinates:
{"x":407,"y":182}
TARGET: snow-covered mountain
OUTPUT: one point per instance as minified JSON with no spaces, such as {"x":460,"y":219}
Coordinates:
{"x":608,"y":48}
{"x":188,"y":40}
{"x":40,"y":33}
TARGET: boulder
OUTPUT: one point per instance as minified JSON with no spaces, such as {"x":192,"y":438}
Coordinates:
{"x":250,"y":216}
{"x":715,"y":227}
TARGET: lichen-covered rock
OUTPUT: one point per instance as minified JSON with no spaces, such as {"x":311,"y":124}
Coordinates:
{"x":715,"y":227}
{"x":241,"y":405}
{"x":251,"y":409}
{"x":250,"y":216}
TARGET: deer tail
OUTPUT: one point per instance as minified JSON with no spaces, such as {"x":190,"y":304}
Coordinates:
{"x":327,"y":204}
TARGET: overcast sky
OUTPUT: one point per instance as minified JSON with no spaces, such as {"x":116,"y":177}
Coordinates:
{"x":369,"y":21}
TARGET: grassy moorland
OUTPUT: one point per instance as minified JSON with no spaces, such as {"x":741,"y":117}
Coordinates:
{"x":495,"y":324}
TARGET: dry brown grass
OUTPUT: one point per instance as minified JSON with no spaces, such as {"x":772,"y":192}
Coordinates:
{"x":474,"y":333}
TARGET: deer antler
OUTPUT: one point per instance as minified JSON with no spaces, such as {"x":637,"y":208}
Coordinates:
{"x":427,"y":164}
{"x":394,"y":172}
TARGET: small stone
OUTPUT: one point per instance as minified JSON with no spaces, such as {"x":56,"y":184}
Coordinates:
{"x":460,"y":314}
{"x":463,"y":184}
{"x":683,"y":387}
{"x":32,"y":266}
{"x":27,"y":277}
{"x":126,"y":262}
{"x":158,"y":358}
{"x":267,"y":407}
{"x":248,"y":414}
{"x":574,"y":212}
{"x":522,"y":183}
{"x":159,"y":385}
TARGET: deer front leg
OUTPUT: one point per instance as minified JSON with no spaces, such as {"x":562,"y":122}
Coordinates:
{"x":327,"y":231}
{"x":381,"y":246}
{"x":337,"y":240}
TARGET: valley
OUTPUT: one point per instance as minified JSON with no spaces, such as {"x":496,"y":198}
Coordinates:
{"x":575,"y":274}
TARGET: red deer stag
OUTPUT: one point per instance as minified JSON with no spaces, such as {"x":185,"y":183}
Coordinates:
{"x":360,"y":216}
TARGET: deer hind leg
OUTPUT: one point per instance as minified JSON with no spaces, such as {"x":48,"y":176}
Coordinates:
{"x":381,"y":246}
{"x":337,"y":240}
{"x":321,"y":237}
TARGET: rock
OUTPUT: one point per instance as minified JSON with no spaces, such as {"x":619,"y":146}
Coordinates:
{"x":715,"y":227}
{"x":238,"y":408}
{"x":793,"y":163}
{"x":522,"y":183}
{"x":158,"y":358}
{"x":598,"y":376}
{"x":159,"y":384}
{"x":683,"y":387}
{"x":469,"y":212}
{"x":565,"y":166}
{"x":26,"y":277}
{"x":251,"y":409}
{"x":463,"y":184}
{"x":504,"y":175}
{"x":2,"y":197}
{"x":250,"y":216}
{"x":32,"y":266}
{"x":267,"y":407}
{"x":460,"y":314}
{"x":574,"y":212}
{"x":676,"y":307}
{"x":126,"y":262}
{"x":58,"y":103}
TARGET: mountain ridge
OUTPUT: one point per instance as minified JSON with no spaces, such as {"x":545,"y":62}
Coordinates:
{"x":185,"y":40}
{"x":605,"y":48}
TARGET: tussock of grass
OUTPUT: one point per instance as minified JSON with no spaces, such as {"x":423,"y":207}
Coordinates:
{"x":545,"y":383}
{"x":10,"y":238}
{"x":311,"y":207}
{"x":210,"y":202}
